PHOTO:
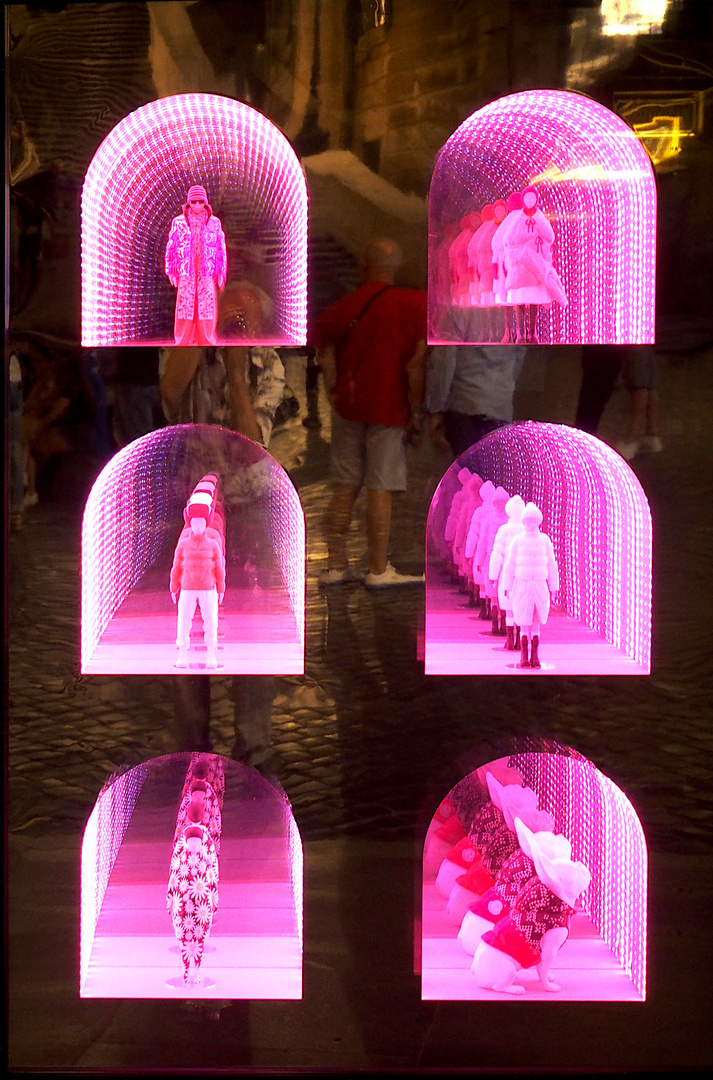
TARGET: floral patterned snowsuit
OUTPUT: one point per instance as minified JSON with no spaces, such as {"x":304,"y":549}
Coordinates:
{"x":192,"y":896}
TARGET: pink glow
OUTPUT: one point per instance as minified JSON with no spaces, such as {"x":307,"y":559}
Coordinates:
{"x":132,"y":520}
{"x":254,"y":949}
{"x":103,"y":835}
{"x":596,"y":187}
{"x":598,"y":518}
{"x":605,"y":956}
{"x":137,"y":182}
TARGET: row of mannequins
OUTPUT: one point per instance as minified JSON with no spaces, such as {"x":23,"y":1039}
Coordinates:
{"x":499,"y":258}
{"x":198,"y":570}
{"x":492,"y":545}
{"x":192,"y":896}
{"x":509,"y":882}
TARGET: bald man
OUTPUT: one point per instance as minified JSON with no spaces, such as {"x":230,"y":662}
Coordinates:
{"x":372,"y":350}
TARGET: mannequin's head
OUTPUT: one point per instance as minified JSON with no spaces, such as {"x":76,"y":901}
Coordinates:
{"x":197,"y":200}
{"x":531,"y":517}
{"x":500,"y":210}
{"x":197,"y":514}
{"x":194,"y":840}
{"x":529,"y":201}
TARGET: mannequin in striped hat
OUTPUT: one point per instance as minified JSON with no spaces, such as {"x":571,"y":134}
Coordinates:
{"x":196,"y":265}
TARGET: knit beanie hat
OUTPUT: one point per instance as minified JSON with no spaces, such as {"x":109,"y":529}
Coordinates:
{"x":196,"y":192}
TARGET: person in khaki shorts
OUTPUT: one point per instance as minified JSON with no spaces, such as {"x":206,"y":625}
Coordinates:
{"x":372,"y":350}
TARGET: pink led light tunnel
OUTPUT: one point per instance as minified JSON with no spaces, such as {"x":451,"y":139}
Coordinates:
{"x":143,"y":903}
{"x":137,"y":516}
{"x":137,"y":184}
{"x":597,"y":517}
{"x":482,"y":878}
{"x":578,"y":266}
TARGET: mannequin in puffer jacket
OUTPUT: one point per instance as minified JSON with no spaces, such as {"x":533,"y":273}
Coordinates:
{"x":453,"y":518}
{"x":471,"y":501}
{"x":197,"y":577}
{"x":481,"y":558}
{"x":530,"y":576}
{"x":514,"y":509}
{"x":477,"y":524}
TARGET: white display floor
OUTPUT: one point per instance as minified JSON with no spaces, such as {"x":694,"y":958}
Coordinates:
{"x":257,"y":634}
{"x":458,"y":642}
{"x":254,"y":948}
{"x":586,"y":968}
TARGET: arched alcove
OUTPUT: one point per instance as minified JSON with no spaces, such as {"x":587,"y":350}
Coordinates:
{"x":604,"y":957}
{"x":598,"y":518}
{"x":133,"y":518}
{"x":129,"y":947}
{"x":137,"y":183}
{"x":595,"y":186}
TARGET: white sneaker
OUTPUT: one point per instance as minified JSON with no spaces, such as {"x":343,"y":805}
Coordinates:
{"x":181,"y":660}
{"x":339,"y":577}
{"x":651,"y":444}
{"x":391,"y":577}
{"x":628,"y":450}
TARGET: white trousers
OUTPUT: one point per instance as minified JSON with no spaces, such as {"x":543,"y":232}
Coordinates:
{"x":207,"y":600}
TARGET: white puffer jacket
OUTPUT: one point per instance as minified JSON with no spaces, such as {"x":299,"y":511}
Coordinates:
{"x":530,"y":575}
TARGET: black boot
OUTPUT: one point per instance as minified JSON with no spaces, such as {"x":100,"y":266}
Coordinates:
{"x":510,"y":643}
{"x":503,"y":626}
{"x":517,"y":637}
{"x":495,"y":619}
{"x":524,"y":659}
{"x":485,"y":608}
{"x":534,"y":658}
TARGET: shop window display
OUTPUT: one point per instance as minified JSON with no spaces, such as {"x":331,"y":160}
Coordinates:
{"x":534,"y":885}
{"x":191,"y":885}
{"x":560,"y":586}
{"x":193,"y":549}
{"x":194,"y":229}
{"x":542,"y":222}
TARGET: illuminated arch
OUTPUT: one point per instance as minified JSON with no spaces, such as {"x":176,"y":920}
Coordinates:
{"x":594,"y":511}
{"x":137,"y":182}
{"x":124,"y":949}
{"x":606,"y":835}
{"x":132,"y":520}
{"x":595,"y":185}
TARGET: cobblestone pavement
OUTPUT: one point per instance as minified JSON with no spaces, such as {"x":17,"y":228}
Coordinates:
{"x":364,"y":740}
{"x":363,"y":736}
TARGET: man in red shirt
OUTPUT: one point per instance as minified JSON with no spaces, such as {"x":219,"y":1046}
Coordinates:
{"x":372,"y":350}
